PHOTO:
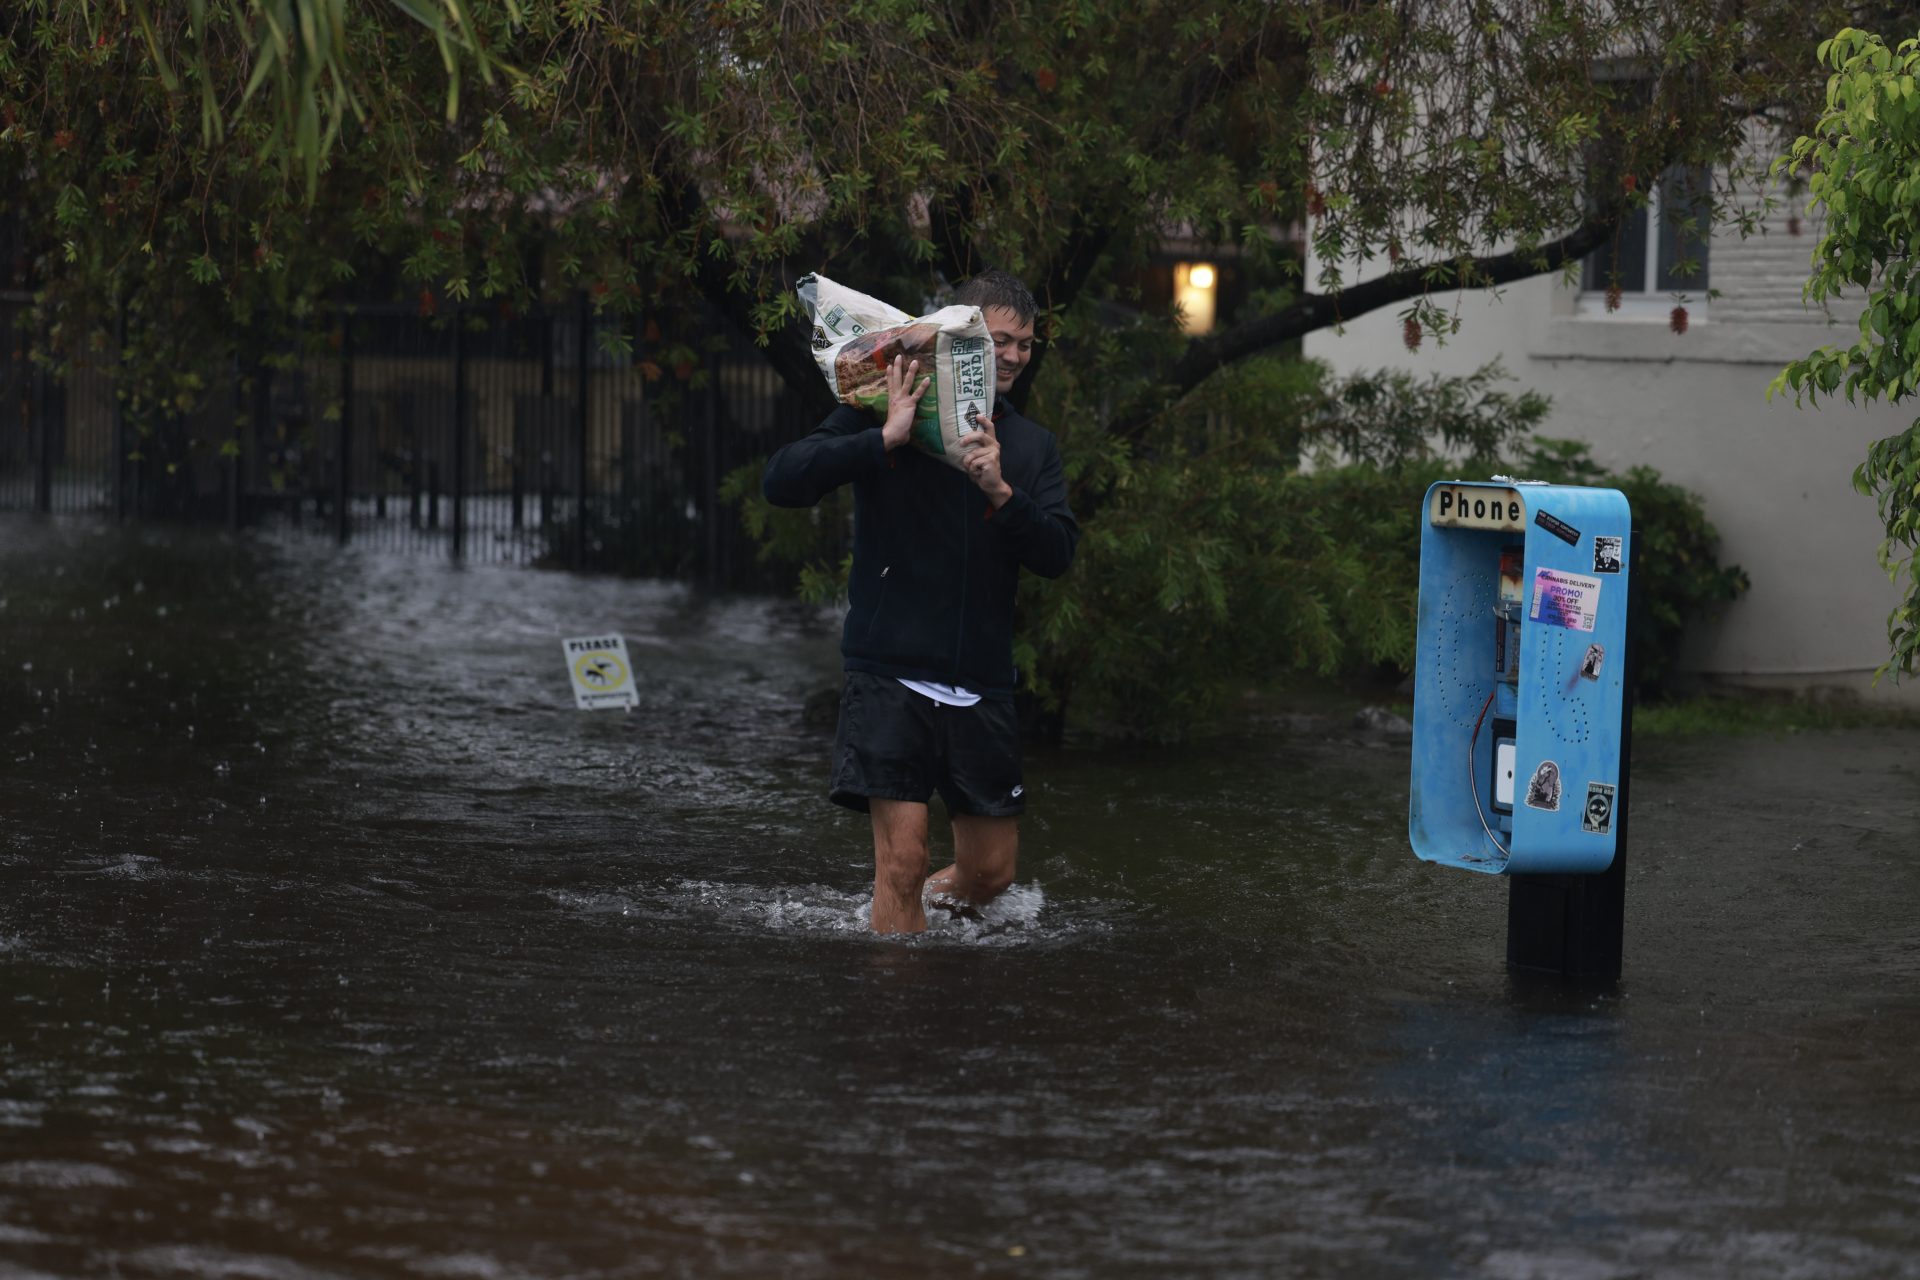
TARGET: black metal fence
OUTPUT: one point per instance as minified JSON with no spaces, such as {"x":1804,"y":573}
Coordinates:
{"x":483,"y":437}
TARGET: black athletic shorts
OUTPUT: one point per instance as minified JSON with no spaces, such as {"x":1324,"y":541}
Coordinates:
{"x":895,"y":744}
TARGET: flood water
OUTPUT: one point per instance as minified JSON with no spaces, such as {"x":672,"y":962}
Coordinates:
{"x":334,"y":942}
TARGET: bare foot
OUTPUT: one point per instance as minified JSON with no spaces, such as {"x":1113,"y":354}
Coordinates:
{"x":941,"y":893}
{"x":958,"y":908}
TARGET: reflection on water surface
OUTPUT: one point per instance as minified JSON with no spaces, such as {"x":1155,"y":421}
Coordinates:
{"x":336,"y":943}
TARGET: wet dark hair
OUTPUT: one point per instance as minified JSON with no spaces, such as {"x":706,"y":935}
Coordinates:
{"x":997,"y":288}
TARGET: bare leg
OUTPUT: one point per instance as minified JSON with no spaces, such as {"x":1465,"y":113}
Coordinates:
{"x":984,"y":852}
{"x":899,"y":865}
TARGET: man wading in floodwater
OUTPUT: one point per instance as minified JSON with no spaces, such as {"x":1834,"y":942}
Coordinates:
{"x":928,"y":641}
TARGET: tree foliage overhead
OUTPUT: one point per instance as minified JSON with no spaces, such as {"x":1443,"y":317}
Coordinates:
{"x":216,"y":159}
{"x":1862,"y":167}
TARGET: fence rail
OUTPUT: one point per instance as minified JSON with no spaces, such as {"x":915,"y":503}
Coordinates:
{"x":480,"y":437}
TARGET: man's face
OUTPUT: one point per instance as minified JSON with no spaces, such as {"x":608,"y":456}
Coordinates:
{"x":1012,"y":345}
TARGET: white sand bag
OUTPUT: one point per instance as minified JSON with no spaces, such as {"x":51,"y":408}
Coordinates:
{"x":855,"y":337}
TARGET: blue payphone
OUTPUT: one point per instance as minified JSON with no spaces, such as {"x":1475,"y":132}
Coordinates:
{"x":1520,"y":680}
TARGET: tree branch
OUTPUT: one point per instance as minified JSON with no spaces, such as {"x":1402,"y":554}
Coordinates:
{"x":1318,"y":310}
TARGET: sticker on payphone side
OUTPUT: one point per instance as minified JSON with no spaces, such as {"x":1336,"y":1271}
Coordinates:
{"x":1598,"y":817}
{"x":1557,"y":527}
{"x":1589,"y":668}
{"x":1562,"y":599}
{"x":1543,"y":789}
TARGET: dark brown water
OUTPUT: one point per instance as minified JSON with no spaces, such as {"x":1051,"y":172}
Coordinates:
{"x":333,"y":942}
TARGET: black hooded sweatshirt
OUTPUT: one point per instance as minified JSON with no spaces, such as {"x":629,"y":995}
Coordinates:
{"x":934,"y":565}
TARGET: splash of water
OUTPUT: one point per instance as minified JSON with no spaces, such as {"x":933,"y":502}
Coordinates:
{"x":818,"y":910}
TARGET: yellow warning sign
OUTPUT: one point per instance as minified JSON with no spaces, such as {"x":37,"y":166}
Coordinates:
{"x":602,"y":675}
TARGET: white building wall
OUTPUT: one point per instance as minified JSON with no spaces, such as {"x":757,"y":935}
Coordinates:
{"x":1777,"y":480}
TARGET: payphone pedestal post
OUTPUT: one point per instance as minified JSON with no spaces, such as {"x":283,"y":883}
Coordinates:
{"x":1568,"y":925}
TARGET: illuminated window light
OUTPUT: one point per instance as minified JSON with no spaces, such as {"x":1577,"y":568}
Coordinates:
{"x":1193,"y":295}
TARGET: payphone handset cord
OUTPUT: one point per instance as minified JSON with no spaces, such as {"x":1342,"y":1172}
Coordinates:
{"x":1473,"y":779}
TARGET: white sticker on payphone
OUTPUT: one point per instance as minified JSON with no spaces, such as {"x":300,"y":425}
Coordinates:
{"x":1562,"y":599}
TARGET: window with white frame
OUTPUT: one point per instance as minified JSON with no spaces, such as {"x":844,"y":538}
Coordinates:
{"x":1659,"y":255}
